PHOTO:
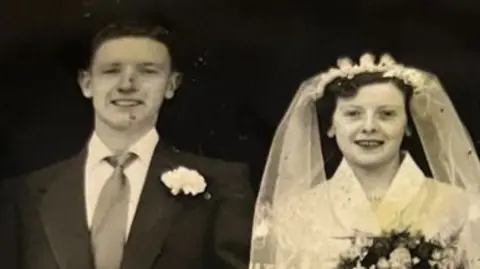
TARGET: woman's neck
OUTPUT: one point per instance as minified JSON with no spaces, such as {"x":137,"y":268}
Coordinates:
{"x":378,"y":178}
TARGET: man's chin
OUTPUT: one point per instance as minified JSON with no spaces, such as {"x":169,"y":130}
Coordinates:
{"x":126,"y":121}
{"x":123,"y":124}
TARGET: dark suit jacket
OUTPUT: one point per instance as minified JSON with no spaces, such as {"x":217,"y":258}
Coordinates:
{"x":43,"y":221}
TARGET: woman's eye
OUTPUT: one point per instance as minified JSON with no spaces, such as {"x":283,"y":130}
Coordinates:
{"x":149,"y":70}
{"x":387,"y":113}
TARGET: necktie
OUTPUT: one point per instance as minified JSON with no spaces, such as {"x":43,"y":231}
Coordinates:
{"x":110,"y":217}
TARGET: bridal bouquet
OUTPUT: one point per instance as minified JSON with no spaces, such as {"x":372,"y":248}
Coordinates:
{"x":401,"y":250}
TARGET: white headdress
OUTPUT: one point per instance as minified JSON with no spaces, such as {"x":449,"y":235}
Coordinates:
{"x":295,"y":163}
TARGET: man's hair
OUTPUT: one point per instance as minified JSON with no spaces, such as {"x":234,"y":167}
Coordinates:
{"x":131,"y":29}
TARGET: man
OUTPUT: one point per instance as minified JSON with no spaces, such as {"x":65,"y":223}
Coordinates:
{"x":128,"y":200}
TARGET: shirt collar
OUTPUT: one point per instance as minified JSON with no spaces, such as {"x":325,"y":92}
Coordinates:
{"x":143,"y":148}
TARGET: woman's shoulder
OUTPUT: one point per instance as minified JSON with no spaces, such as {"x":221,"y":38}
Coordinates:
{"x":446,"y":194}
{"x":307,"y":197}
{"x":310,"y":209}
{"x":444,"y":189}
{"x":457,"y":197}
{"x":296,"y":204}
{"x":473,"y":199}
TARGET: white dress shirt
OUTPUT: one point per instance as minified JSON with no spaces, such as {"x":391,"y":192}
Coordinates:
{"x":97,"y":171}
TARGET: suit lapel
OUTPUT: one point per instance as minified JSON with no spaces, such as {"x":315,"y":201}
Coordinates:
{"x":63,"y":214}
{"x":155,"y":214}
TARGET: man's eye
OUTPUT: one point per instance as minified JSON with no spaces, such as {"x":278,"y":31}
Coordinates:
{"x":149,"y":71}
{"x":111,"y":71}
{"x":353,"y":113}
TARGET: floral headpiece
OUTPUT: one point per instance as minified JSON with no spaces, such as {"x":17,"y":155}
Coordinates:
{"x":387,"y":65}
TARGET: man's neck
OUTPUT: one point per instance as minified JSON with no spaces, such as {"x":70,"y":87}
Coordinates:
{"x":118,"y":141}
{"x":378,"y":178}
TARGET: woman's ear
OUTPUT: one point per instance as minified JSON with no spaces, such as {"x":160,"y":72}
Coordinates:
{"x":84,"y":81}
{"x":331,"y":132}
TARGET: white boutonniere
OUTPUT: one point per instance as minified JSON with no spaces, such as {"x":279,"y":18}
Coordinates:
{"x":184,"y":180}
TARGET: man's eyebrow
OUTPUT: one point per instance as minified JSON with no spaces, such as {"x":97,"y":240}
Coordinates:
{"x":114,"y":64}
{"x":110,"y":64}
{"x":150,"y":64}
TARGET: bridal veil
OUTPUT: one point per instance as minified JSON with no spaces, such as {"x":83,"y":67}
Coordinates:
{"x":295,"y":163}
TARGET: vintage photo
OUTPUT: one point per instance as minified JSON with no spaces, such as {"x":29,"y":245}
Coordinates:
{"x":240,"y":135}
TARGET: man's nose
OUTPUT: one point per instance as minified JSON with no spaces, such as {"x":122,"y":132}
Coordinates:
{"x":127,"y":81}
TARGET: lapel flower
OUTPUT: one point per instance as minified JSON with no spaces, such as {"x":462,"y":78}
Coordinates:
{"x":184,"y":180}
{"x":400,"y":258}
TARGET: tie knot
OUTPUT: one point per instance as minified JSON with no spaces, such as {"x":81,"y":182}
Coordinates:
{"x":121,"y":161}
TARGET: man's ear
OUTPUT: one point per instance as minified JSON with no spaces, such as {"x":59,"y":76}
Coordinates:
{"x":408,"y":131}
{"x":84,"y":80}
{"x":174,"y":83}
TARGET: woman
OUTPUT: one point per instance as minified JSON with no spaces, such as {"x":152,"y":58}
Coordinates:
{"x":305,"y":221}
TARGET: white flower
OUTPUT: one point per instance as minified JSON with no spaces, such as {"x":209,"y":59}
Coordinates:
{"x":416,"y":260}
{"x":383,"y":263}
{"x":436,"y":255}
{"x":363,"y":241}
{"x":400,"y":257}
{"x":367,"y":61}
{"x":184,"y":180}
{"x":387,"y":60}
{"x":344,"y":63}
{"x":359,"y":266}
{"x":413,"y":77}
{"x":352,"y":253}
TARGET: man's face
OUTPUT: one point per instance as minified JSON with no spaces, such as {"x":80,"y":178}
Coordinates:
{"x":127,"y":82}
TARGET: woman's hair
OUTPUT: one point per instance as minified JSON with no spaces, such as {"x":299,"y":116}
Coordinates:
{"x":348,"y":87}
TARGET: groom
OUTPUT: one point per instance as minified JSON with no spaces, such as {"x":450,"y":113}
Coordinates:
{"x":128,"y":200}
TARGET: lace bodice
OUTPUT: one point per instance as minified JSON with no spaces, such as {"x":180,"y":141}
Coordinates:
{"x":315,"y":226}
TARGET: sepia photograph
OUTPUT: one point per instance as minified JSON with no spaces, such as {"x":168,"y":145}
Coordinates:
{"x":240,"y":134}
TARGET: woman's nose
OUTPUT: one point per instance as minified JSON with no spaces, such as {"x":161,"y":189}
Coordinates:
{"x":369,"y":125}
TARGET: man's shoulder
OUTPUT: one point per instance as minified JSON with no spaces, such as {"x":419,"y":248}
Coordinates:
{"x":209,"y":165}
{"x":37,"y":177}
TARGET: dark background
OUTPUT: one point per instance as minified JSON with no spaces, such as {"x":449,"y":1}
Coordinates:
{"x":243,"y":60}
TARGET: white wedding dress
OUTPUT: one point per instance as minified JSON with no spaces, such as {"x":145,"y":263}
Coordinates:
{"x":316,"y":226}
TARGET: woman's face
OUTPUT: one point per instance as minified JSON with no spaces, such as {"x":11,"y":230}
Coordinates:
{"x":369,"y":127}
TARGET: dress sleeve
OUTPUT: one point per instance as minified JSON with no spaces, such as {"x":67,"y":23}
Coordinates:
{"x":470,"y":237}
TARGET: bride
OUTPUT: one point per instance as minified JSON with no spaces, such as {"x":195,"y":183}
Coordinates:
{"x":305,"y":219}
